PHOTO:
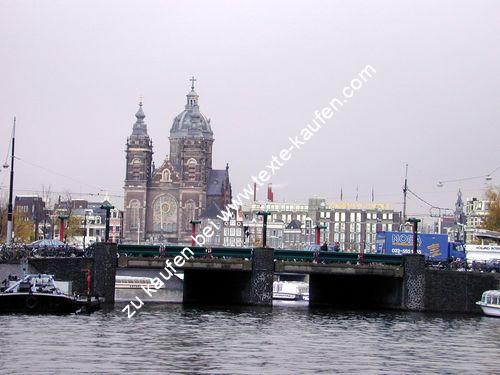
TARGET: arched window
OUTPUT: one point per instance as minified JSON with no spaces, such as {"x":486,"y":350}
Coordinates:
{"x":165,"y":176}
{"x":134,"y":207}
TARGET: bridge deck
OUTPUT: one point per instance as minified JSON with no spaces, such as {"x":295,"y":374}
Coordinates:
{"x":339,"y":269}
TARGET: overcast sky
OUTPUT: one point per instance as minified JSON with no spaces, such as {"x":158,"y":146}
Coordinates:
{"x":72,"y":73}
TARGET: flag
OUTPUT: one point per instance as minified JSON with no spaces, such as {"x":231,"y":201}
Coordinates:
{"x":357,"y":193}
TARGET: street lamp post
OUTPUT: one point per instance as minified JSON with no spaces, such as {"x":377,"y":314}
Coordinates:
{"x":84,"y":229}
{"x":62,"y":219}
{"x":193,"y":230}
{"x":108,"y":208}
{"x":264,"y":215}
{"x":318,"y":228}
{"x":415,"y":222}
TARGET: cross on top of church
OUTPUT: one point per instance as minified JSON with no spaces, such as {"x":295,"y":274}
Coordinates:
{"x":193,"y":80}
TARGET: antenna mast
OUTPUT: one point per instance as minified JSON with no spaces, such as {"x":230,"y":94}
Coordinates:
{"x":10,"y":226}
{"x":405,"y":190}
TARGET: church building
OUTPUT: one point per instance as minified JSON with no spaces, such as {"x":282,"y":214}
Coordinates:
{"x":161,"y":202}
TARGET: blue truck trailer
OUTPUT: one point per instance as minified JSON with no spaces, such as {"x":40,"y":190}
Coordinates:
{"x":435,"y":247}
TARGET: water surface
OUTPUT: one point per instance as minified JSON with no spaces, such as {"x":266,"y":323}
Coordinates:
{"x":169,"y":338}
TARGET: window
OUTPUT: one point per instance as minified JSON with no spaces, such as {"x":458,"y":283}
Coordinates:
{"x":165,"y":176}
{"x":358,"y":216}
{"x":336,"y":216}
{"x":353,"y":217}
{"x":191,"y":169}
{"x":342,"y":216}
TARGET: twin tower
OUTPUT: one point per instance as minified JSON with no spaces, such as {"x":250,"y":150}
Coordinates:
{"x":160,"y":202}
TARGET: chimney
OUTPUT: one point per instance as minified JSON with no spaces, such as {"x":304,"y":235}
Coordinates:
{"x":270,"y":195}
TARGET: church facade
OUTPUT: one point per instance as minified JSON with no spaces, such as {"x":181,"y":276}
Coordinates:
{"x":160,"y":203}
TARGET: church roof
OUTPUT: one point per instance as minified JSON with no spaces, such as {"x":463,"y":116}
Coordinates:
{"x":216,"y":181}
{"x":191,"y":122}
{"x":211,"y":211}
{"x":140,"y":129}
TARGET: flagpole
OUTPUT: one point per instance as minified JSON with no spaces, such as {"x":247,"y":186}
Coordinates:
{"x":10,"y":226}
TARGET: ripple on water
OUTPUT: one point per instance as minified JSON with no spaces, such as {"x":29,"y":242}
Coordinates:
{"x":285,"y":339}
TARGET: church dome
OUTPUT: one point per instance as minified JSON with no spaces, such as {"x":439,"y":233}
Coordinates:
{"x":191,"y":123}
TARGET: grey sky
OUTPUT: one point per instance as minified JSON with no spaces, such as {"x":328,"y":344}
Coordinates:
{"x":72,"y":73}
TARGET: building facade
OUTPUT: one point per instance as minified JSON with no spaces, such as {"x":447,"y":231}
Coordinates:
{"x":86,"y":222}
{"x":293,"y":225}
{"x":476,"y":211}
{"x":161,"y":202}
{"x":32,"y":208}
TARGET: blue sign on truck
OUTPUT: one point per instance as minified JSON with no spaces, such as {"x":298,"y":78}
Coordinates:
{"x":433,"y":246}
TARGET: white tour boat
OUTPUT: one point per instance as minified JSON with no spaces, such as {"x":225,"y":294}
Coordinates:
{"x":291,"y":291}
{"x":490,"y":302}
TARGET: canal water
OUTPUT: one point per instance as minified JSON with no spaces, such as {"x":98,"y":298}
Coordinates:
{"x":289,"y":338}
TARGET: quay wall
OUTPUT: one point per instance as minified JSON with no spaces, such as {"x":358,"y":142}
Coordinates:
{"x":67,"y":269}
{"x":102,"y":266}
{"x":454,"y":291}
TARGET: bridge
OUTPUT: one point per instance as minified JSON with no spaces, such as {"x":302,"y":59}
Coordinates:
{"x":244,"y":276}
{"x":134,"y":251}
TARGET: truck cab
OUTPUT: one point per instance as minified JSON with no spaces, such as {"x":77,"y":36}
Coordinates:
{"x":456,"y":250}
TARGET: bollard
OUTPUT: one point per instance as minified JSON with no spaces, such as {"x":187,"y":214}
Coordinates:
{"x":208,"y":253}
{"x":317,"y":256}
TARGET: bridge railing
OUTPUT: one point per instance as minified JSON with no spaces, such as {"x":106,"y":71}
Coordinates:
{"x":246,"y":253}
{"x":335,"y":257}
{"x":173,"y":250}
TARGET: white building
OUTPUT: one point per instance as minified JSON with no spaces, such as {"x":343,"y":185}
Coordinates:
{"x":476,"y":211}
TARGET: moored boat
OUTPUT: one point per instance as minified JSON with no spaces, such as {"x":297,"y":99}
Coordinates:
{"x":290,"y":291}
{"x":38,"y":294}
{"x":490,"y":303}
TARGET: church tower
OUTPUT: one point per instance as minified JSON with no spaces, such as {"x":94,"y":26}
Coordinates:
{"x":161,"y":202}
{"x":139,"y":154}
{"x":191,"y":139}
